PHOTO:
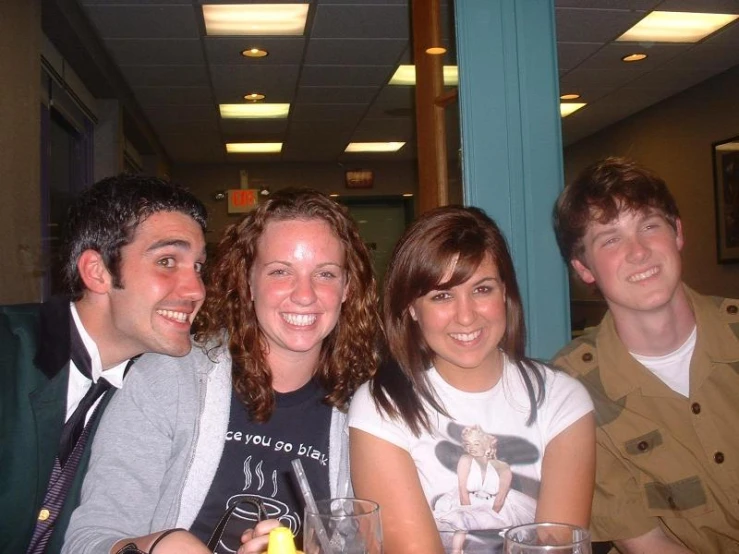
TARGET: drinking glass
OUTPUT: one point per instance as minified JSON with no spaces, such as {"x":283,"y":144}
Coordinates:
{"x":550,"y":538}
{"x":343,"y":525}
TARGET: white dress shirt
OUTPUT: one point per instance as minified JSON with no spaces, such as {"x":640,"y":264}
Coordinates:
{"x":78,"y":383}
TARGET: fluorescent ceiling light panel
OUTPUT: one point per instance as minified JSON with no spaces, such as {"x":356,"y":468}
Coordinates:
{"x":255,"y":19}
{"x":261,"y":110}
{"x":406,"y":75}
{"x":253,"y":147}
{"x":374,"y":146}
{"x":676,"y":27}
{"x":566,"y":108}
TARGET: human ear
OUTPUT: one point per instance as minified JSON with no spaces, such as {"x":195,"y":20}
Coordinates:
{"x":346,"y":292}
{"x":583,"y":272}
{"x":679,"y":238}
{"x":93,"y":272}
{"x":412,"y":313}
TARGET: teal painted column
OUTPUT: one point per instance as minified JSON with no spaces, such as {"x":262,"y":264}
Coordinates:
{"x":512,"y":147}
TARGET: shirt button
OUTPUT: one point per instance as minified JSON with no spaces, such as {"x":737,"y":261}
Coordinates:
{"x":643,"y":445}
{"x":696,"y":408}
{"x":587,"y":357}
{"x":732,"y":309}
{"x":44,"y":514}
{"x":718,"y":457}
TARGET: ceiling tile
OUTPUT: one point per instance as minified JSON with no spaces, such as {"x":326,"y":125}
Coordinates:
{"x":275,"y":128}
{"x":702,"y":6}
{"x":335,"y":76}
{"x":131,"y":2}
{"x":188,"y":128}
{"x":385,"y":130}
{"x":576,"y":25}
{"x":178,"y":96}
{"x":150,"y":21}
{"x":227,"y":50}
{"x":571,"y":54}
{"x":361,"y":21}
{"x":167,"y":114}
{"x":583,"y":78}
{"x":277,"y":82}
{"x":156,"y":51}
{"x":165,"y":75}
{"x":321,"y":112}
{"x":647,"y":5}
{"x":335,"y":95}
{"x":609,"y":57}
{"x":355,"y":51}
{"x":706,"y":56}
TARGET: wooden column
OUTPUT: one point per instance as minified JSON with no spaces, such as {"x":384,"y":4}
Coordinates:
{"x":430,"y":130}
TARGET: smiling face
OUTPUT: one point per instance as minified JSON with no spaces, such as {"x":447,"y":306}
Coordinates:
{"x":634,"y":260}
{"x":162,"y":289}
{"x":463,"y":327}
{"x":298,"y":283}
{"x":478,"y":443}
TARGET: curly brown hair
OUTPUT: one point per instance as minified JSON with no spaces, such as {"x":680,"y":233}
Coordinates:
{"x":349,"y":354}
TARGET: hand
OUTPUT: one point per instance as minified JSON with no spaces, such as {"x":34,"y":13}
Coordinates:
{"x":254,"y":541}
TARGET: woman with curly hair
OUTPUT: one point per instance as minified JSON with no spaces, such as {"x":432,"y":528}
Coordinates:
{"x":287,"y":333}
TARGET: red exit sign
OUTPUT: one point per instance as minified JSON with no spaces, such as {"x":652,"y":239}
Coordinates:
{"x":242,"y":200}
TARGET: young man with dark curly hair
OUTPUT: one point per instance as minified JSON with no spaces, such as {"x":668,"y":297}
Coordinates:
{"x":132,"y":254}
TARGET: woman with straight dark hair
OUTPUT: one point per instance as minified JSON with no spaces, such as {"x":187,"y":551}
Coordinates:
{"x":456,"y":331}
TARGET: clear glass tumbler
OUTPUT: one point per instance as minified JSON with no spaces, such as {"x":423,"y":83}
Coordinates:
{"x":343,"y":525}
{"x":551,"y":538}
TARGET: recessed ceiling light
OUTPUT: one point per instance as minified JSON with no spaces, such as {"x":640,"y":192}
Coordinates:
{"x":254,"y":53}
{"x":255,"y":19}
{"x":406,"y":75}
{"x":254,"y":97}
{"x":436,"y":50}
{"x":569,"y":97}
{"x":566,"y":108}
{"x":260,"y":110}
{"x":333,"y":195}
{"x":374,"y":146}
{"x":408,"y":194}
{"x":253,"y":147}
{"x":676,"y":27}
{"x":634,"y":57}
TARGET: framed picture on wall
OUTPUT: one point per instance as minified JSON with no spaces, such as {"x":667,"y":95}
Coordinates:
{"x":726,"y":184}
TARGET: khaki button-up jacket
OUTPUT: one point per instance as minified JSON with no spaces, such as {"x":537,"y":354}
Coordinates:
{"x":663,"y":459}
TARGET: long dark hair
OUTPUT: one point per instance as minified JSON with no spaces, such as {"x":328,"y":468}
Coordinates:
{"x":348,"y":354}
{"x":419,"y":265}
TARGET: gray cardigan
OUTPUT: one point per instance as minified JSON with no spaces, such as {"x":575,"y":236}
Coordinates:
{"x":158,"y":447}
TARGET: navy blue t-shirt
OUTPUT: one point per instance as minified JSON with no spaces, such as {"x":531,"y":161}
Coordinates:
{"x":257,"y":460}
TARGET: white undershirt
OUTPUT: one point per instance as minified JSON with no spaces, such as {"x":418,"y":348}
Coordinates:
{"x":78,"y":383}
{"x":673,"y":369}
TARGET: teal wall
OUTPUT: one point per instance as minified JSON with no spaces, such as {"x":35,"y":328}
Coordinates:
{"x":512,"y":147}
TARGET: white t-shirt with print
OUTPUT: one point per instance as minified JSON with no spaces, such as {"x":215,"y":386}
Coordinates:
{"x":501,"y":411}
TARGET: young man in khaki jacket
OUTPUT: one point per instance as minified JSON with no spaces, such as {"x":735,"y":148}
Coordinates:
{"x":662,"y":369}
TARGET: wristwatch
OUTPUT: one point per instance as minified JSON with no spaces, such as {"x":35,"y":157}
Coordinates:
{"x":130,"y":548}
